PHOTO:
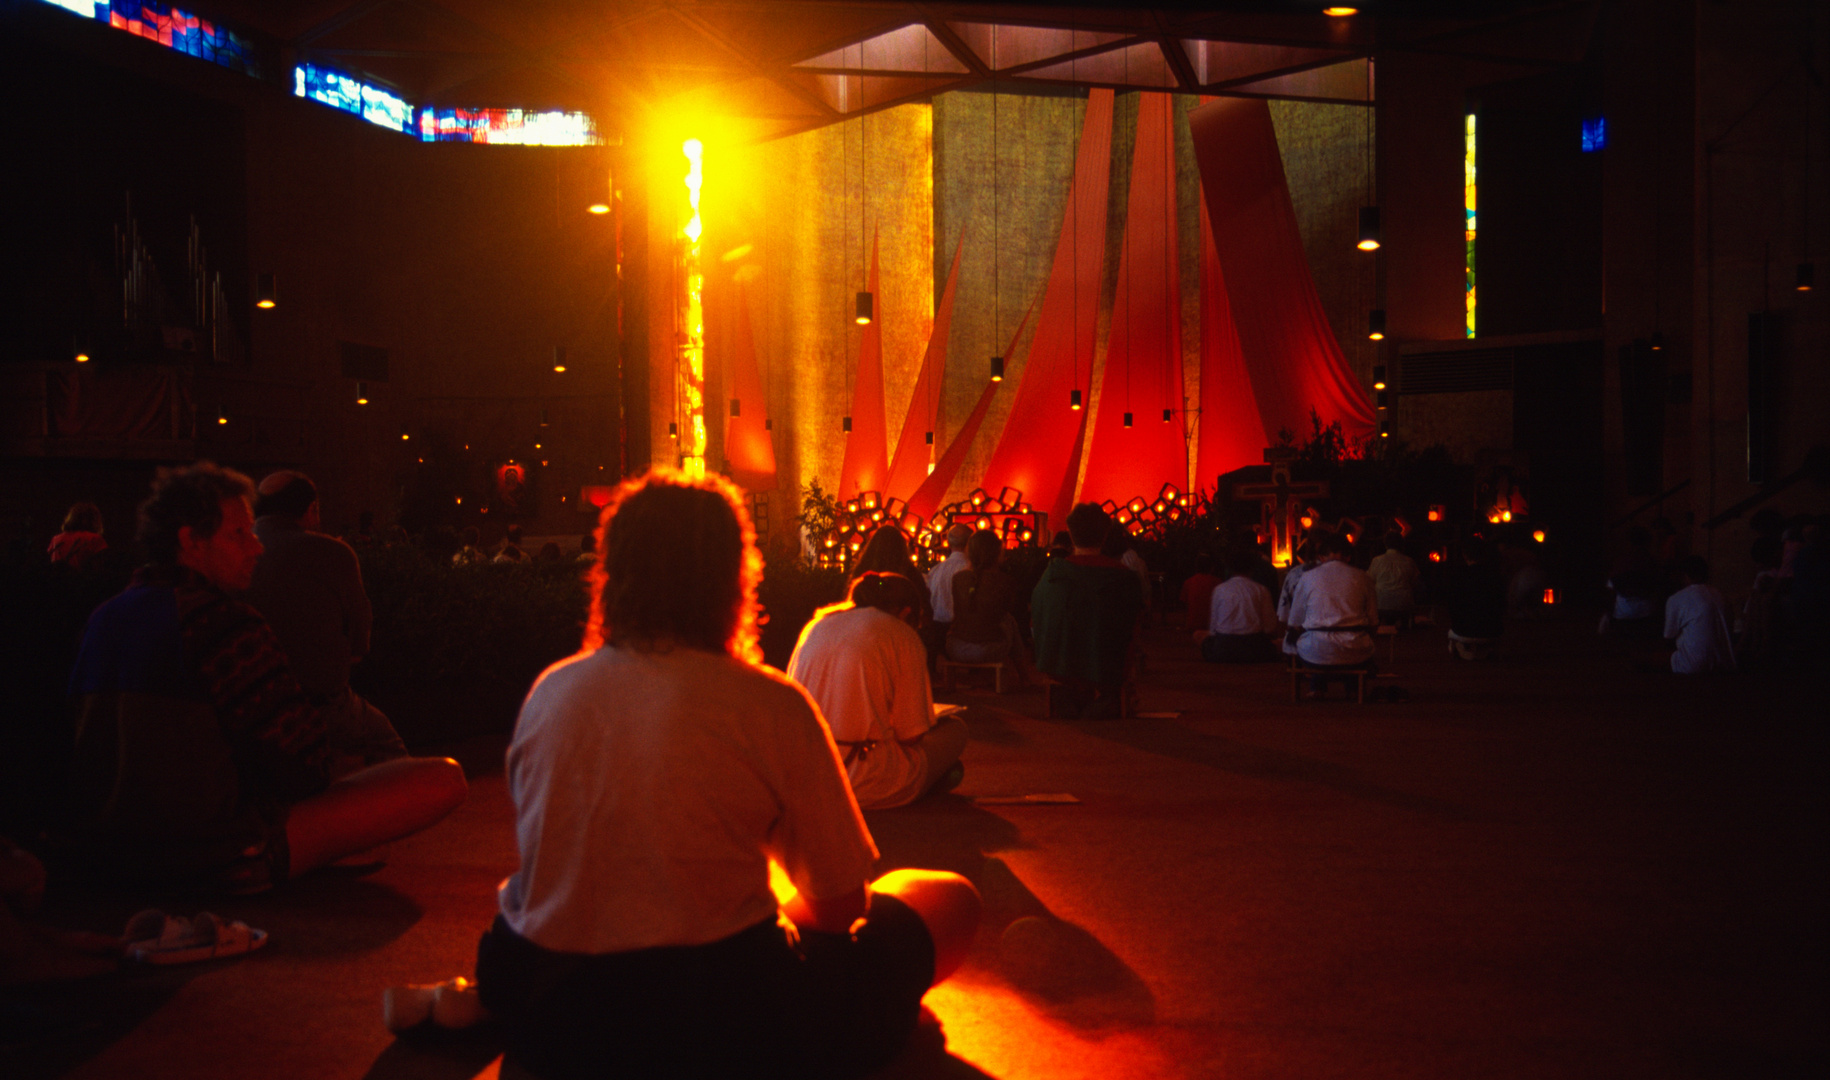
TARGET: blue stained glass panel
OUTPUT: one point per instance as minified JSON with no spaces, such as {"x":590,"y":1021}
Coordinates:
{"x":1594,"y":134}
{"x":352,"y":95}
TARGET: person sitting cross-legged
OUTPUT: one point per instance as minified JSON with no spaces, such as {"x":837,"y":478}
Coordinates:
{"x":865,"y":666}
{"x":1697,"y":623}
{"x":199,"y":759}
{"x":1084,"y":613}
{"x":656,"y":776}
{"x":308,"y":586}
{"x":1333,"y":613}
{"x":1242,"y":624}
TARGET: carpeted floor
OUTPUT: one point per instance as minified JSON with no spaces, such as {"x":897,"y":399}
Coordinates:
{"x":1549,"y":865}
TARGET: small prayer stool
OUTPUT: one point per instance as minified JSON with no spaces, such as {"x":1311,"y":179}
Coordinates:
{"x":1389,"y":631}
{"x":949,"y":669}
{"x":1298,"y":673}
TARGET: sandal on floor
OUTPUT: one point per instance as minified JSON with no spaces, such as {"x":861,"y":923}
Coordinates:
{"x":153,"y":937}
{"x":452,"y":1005}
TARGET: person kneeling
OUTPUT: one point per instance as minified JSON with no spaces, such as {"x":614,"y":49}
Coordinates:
{"x":1241,"y":622}
{"x":656,"y":775}
{"x":867,"y":670}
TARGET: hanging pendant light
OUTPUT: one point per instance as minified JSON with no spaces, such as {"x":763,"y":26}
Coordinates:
{"x":928,"y":438}
{"x":1074,"y":399}
{"x":736,"y":407}
{"x":266,"y":291}
{"x":1168,"y":415}
{"x":362,"y":393}
{"x":1657,"y":344}
{"x":845,"y":425}
{"x":559,"y":359}
{"x":1127,"y":419}
{"x":673,"y":429}
{"x":1807,"y":274}
{"x":222,"y":414}
{"x":1375,"y":324}
{"x":1378,"y":376}
{"x":997,"y":369}
{"x":865,"y":306}
{"x":1369,"y":229}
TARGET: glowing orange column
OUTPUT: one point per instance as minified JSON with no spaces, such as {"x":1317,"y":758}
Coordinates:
{"x":689,"y":371}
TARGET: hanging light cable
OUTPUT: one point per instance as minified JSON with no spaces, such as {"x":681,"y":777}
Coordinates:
{"x":865,"y":303}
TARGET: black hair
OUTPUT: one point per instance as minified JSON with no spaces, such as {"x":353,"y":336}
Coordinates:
{"x":187,"y":497}
{"x":1087,"y":525}
{"x":291,"y":500}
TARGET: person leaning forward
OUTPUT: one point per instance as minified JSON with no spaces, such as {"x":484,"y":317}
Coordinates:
{"x":199,"y":758}
{"x":1084,"y":612}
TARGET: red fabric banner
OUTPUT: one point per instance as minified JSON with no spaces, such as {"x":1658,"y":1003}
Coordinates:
{"x":867,"y":465}
{"x":909,"y":466}
{"x":933,"y":490}
{"x":747,"y":445}
{"x":1144,"y":345}
{"x":1232,"y":432}
{"x":1042,"y":432}
{"x":1295,"y":362}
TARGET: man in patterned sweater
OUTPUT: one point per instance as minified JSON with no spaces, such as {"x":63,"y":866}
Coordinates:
{"x":199,"y":758}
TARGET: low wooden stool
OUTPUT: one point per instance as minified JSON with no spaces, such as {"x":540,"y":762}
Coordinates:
{"x":1358,"y":675}
{"x":949,"y":668}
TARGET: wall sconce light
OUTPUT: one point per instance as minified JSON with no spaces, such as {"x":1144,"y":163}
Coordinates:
{"x":362,"y":393}
{"x":1807,"y":276}
{"x":865,"y":306}
{"x":1375,"y":324}
{"x":1378,"y":376}
{"x":1074,"y":399}
{"x":266,"y":291}
{"x":559,"y":359}
{"x":1369,"y":229}
{"x":997,"y":369}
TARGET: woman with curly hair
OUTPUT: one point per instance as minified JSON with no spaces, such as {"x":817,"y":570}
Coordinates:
{"x":656,"y":775}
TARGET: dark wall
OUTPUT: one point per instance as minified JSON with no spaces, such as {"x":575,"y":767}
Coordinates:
{"x":467,"y":264}
{"x":1539,"y":243}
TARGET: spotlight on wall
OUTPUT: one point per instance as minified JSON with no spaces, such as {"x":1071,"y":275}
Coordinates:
{"x":266,"y":291}
{"x":997,"y":369}
{"x":1369,"y":228}
{"x":1378,"y":376}
{"x":1375,"y":324}
{"x":845,"y":425}
{"x":559,"y":359}
{"x":1073,"y":399}
{"x":1127,"y":419}
{"x":865,"y":309}
{"x":1807,"y":275}
{"x":362,"y":393}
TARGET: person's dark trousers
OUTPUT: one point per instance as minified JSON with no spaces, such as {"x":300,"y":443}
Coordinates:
{"x":1238,"y":649}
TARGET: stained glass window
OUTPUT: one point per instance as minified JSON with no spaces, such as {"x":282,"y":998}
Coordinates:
{"x":520,"y":127}
{"x":173,"y":28}
{"x":352,"y":95}
{"x":1594,"y":134}
{"x":1468,"y":192}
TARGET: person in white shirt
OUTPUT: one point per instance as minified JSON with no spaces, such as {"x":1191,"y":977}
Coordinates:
{"x":656,"y":776}
{"x":1241,"y":621}
{"x":866,"y":669}
{"x":1697,"y":623}
{"x":940,"y":578}
{"x":1333,"y":613}
{"x":1287,"y":592}
{"x":1394,"y":577}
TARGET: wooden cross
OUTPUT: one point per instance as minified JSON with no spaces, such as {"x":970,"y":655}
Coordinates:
{"x":1280,"y":498}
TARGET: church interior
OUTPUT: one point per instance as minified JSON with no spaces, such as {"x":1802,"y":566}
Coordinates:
{"x":470,"y":265}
